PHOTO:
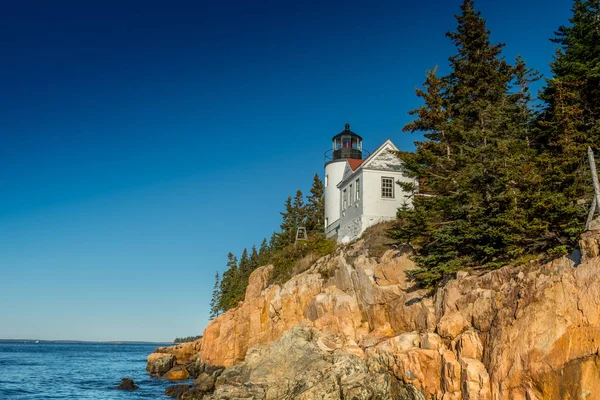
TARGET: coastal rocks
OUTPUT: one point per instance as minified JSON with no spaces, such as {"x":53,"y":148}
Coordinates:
{"x":349,"y":299}
{"x":127,"y":384}
{"x":203,"y":385}
{"x":160,"y":363}
{"x":295,"y":367}
{"x":176,"y":391}
{"x":177,"y":373}
{"x":260,"y":319}
{"x":352,"y":326}
{"x":184,"y":352}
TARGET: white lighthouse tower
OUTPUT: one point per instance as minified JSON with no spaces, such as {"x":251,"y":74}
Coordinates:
{"x":346,"y":146}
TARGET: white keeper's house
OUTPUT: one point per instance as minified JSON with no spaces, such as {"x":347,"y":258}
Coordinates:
{"x":360,"y":192}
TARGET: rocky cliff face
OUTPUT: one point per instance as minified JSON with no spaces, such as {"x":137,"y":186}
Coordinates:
{"x":353,"y":327}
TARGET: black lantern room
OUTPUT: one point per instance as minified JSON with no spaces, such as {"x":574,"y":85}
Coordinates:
{"x":347,"y":144}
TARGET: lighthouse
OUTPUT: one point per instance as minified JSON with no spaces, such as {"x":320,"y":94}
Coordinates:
{"x":361,"y":192}
{"x":346,"y":147}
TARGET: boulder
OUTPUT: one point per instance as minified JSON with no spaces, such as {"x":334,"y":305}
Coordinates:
{"x":128,"y":385}
{"x":452,"y":325}
{"x":205,"y":382}
{"x":159,"y":363}
{"x":184,"y":352}
{"x":176,"y":391}
{"x":177,"y":373}
{"x":195,"y":393}
{"x":195,"y":367}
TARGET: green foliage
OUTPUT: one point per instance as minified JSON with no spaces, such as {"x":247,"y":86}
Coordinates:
{"x":215,"y":300}
{"x":315,"y":208}
{"x":280,"y":250}
{"x":187,"y":339}
{"x":475,"y":165}
{"x":498,"y":182}
{"x":286,"y":259}
{"x":570,"y":122}
{"x":230,"y":284}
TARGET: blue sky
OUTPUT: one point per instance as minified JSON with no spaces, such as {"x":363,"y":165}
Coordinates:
{"x":142,"y":141}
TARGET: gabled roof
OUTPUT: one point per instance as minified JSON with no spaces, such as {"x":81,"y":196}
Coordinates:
{"x":354,"y":163}
{"x":377,"y":160}
{"x":385,"y":146}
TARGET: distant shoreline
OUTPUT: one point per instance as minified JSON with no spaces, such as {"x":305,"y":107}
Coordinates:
{"x":39,"y":341}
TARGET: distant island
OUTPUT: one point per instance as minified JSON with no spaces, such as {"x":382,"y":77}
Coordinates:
{"x":187,"y":339}
{"x":37,"y":341}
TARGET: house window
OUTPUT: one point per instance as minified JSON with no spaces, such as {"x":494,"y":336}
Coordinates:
{"x":357,"y":184}
{"x":351,"y":194}
{"x":387,"y":187}
{"x":345,"y":200}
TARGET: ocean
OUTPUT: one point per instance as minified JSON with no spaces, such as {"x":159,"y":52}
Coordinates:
{"x":76,"y":371}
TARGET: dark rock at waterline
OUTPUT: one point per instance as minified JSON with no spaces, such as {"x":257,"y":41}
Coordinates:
{"x":127,"y":384}
{"x":159,"y":364}
{"x":206,"y":380}
{"x":194,"y":393}
{"x":176,"y":391}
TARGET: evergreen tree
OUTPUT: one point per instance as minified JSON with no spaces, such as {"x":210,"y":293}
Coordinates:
{"x":299,"y":211}
{"x":274,"y":243}
{"x":288,"y":224}
{"x":254,"y":259}
{"x":264,"y":253}
{"x":315,"y":208}
{"x":215,"y":300}
{"x":229,"y":284}
{"x":244,"y":266}
{"x":576,"y":66}
{"x":569,"y":123}
{"x":474,"y":164}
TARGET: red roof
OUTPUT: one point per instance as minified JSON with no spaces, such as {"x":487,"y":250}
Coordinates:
{"x":354,"y":163}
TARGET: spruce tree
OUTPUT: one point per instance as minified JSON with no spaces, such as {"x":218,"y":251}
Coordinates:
{"x":264,"y":253}
{"x":315,"y":207}
{"x":215,"y":300}
{"x":229,"y":284}
{"x":254,"y":259}
{"x":576,"y":65}
{"x":474,"y":166}
{"x":274,"y":243}
{"x":569,"y":123}
{"x":299,"y":211}
{"x":244,"y":265}
{"x":288,"y":224}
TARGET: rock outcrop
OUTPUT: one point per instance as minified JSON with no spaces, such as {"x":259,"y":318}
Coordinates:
{"x":160,"y":363}
{"x":354,"y":327}
{"x":128,"y":385}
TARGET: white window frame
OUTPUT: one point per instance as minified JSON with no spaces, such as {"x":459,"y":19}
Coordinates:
{"x":344,"y":199}
{"x":357,"y":194}
{"x":350,"y":189}
{"x":387,"y":187}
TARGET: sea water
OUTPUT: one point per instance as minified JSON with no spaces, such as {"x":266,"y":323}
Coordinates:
{"x":76,"y":371}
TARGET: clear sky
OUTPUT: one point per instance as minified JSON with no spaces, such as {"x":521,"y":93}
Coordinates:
{"x":140,"y":141}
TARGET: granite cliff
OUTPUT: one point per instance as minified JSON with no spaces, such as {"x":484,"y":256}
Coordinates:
{"x":352,"y":326}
